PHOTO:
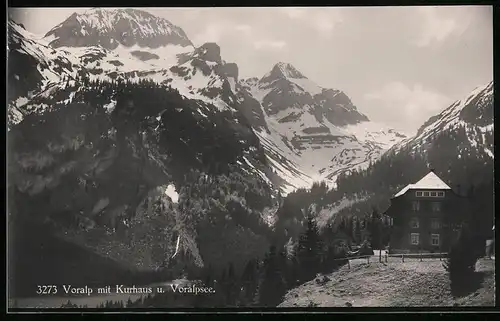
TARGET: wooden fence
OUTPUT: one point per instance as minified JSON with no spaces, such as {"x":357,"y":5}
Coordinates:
{"x":385,"y":257}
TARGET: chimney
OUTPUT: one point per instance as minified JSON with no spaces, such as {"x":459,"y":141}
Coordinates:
{"x":459,"y":191}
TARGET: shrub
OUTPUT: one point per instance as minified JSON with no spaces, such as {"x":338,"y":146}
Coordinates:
{"x":461,"y":262}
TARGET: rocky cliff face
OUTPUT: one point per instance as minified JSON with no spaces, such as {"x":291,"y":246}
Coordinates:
{"x":319,"y":131}
{"x":111,"y":28}
{"x":474,"y":114}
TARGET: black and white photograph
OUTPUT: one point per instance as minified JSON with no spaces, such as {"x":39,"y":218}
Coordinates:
{"x":250,"y":157}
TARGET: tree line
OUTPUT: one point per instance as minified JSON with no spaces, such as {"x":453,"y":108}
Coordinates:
{"x":262,"y":283}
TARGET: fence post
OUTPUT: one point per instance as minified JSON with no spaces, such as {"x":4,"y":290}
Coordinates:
{"x":420,"y":256}
{"x":403,"y":257}
{"x":386,"y":257}
{"x":349,"y":264}
{"x":368,"y":259}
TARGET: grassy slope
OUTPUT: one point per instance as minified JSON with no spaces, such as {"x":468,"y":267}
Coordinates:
{"x":395,"y":284}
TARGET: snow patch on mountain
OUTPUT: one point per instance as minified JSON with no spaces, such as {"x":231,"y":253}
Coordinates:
{"x":167,"y":55}
{"x":307,"y":86}
{"x":172,"y":193}
{"x":108,"y":60}
{"x":375,"y":132}
{"x":328,"y":213}
{"x":283,"y":161}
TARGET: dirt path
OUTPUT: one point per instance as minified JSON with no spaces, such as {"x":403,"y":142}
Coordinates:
{"x":412,"y":283}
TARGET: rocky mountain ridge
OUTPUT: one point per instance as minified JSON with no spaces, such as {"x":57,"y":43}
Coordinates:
{"x":111,"y":28}
{"x":318,"y":129}
{"x":310,"y":133}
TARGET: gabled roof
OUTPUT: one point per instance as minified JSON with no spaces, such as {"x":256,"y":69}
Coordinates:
{"x":404,"y":190}
{"x":429,"y":181}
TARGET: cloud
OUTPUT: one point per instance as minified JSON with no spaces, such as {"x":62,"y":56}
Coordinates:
{"x":211,"y":33}
{"x":224,"y":30}
{"x":269,"y":44}
{"x":323,"y":20}
{"x":294,"y":13}
{"x":410,"y":106}
{"x":325,"y":23}
{"x":436,"y":27}
{"x":244,"y":28}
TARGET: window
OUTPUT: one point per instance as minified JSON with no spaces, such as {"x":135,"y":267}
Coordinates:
{"x":433,"y":194}
{"x":415,"y":238}
{"x":416,"y":206}
{"x":418,"y":194}
{"x":440,"y":194}
{"x":435,"y":239}
{"x":426,"y":194}
{"x":435,"y":224}
{"x":436,"y":206}
{"x":414,"y":223}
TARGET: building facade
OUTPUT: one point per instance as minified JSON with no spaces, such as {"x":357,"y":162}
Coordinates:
{"x":425,"y":216}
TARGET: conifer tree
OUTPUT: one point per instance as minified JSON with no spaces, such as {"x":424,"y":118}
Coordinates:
{"x":309,"y":250}
{"x":357,"y":231}
{"x":231,"y":286}
{"x":375,"y":228}
{"x":272,"y":287}
{"x":249,"y":280}
{"x":220,"y":288}
{"x":461,"y":261}
{"x":349,"y":227}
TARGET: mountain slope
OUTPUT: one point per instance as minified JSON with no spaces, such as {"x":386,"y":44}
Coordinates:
{"x":128,"y":39}
{"x":100,"y":179}
{"x":309,"y":133}
{"x":458,"y":146}
{"x":33,"y":67}
{"x":93,"y":159}
{"x":197,"y":73}
{"x":473,"y":113}
{"x":317,"y":130}
{"x":110,"y":28}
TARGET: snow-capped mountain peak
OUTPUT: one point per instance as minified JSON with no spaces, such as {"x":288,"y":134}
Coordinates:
{"x":474,"y":114}
{"x":319,"y":131}
{"x":464,"y":110}
{"x":283,"y":70}
{"x":111,"y":27}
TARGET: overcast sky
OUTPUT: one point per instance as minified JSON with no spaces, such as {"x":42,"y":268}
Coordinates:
{"x":399,"y":65}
